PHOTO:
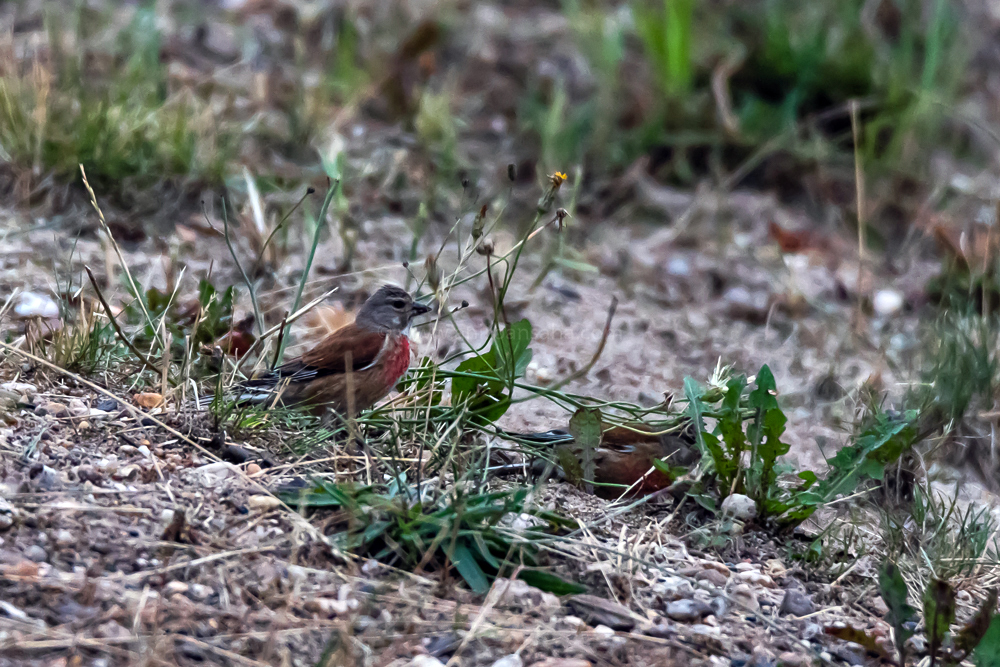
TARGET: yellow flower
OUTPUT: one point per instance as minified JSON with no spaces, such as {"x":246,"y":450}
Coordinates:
{"x":557,"y":179}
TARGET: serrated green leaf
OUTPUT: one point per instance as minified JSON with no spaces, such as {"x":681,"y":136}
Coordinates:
{"x":939,"y":613}
{"x":892,"y":588}
{"x":585,"y":426}
{"x":570,"y":465}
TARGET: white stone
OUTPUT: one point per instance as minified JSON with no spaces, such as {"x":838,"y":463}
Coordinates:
{"x":36,"y":305}
{"x":512,"y":660}
{"x":887,"y":302}
{"x":739,"y":507}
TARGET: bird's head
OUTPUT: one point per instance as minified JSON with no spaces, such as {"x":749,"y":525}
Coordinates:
{"x":391,"y":308}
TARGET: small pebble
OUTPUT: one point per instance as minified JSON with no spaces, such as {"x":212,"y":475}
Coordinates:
{"x":174,"y":587}
{"x":78,"y":408}
{"x":713,"y":577}
{"x":199,"y":592}
{"x":262,"y":502}
{"x":739,"y":506}
{"x":425,"y":661}
{"x":686,"y":611}
{"x":22,"y":388}
{"x":512,"y":660}
{"x":64,"y":538}
{"x":57,"y":410}
{"x":796,"y":603}
{"x":744,"y":596}
{"x":604,"y":632}
{"x":887,"y":302}
{"x":36,"y":553}
{"x":148,"y":400}
{"x":253,"y":469}
{"x":756,"y":578}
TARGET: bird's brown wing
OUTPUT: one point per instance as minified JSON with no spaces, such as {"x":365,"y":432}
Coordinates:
{"x":330,"y":355}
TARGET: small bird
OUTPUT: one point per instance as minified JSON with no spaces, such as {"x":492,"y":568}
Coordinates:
{"x":350,"y":368}
{"x":625,"y":456}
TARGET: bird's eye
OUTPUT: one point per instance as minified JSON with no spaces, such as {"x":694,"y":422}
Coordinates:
{"x":399,"y":304}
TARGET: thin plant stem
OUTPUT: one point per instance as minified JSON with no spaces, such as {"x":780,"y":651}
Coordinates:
{"x":331,"y":191}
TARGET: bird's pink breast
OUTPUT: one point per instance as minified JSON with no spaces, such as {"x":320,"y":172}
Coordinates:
{"x":397,"y":360}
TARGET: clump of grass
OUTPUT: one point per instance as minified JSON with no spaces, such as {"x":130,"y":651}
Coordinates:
{"x":406,"y":526}
{"x":739,"y":83}
{"x":123,"y":124}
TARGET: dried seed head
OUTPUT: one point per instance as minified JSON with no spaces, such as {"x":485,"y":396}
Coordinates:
{"x":479,"y":222}
{"x":561,"y":215}
{"x":485,"y":248}
{"x":433,"y":272}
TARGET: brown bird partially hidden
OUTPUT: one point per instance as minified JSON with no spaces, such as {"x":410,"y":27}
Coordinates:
{"x":351,"y":368}
{"x":625,"y":456}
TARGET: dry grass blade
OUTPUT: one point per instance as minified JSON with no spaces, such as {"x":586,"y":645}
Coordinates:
{"x":118,"y":251}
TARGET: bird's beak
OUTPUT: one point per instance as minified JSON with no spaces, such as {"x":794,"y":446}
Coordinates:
{"x":420,"y":309}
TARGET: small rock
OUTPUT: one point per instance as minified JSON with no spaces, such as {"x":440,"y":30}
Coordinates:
{"x":262,"y":502}
{"x":744,"y":596}
{"x":713,"y":577}
{"x":127,"y":450}
{"x":111,"y":630}
{"x":20,"y":388}
{"x":43,"y":478}
{"x":148,"y":400}
{"x":598,"y":611}
{"x":746,"y":305}
{"x":604,"y":632}
{"x":78,"y":408}
{"x":199,"y":592}
{"x":107,"y":405}
{"x":212,"y":474}
{"x":887,"y":302}
{"x":686,"y":611}
{"x":253,"y":469}
{"x":719,"y":606}
{"x":673,"y":588}
{"x":64,"y":538}
{"x":879,"y":606}
{"x":175,"y":588}
{"x":52,"y":409}
{"x":739,"y":507}
{"x":425,"y":661}
{"x":756,"y":578}
{"x":144,"y":450}
{"x":850,"y":656}
{"x":87,"y":473}
{"x":84,"y":425}
{"x":811,"y":631}
{"x":36,"y":553}
{"x":762,"y":657}
{"x":330,"y":607}
{"x":31,"y":304}
{"x":513,"y":660}
{"x":796,"y":603}
{"x":775,"y":568}
{"x":562,"y":662}
{"x":790,"y":659}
